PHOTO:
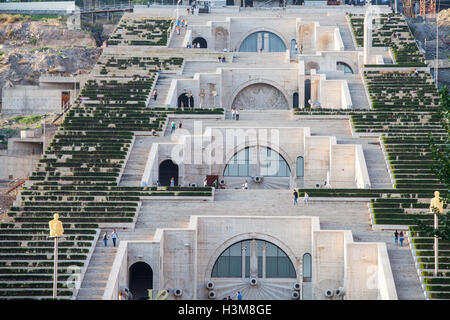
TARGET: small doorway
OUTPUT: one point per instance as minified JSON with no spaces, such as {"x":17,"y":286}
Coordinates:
{"x":185,"y":102}
{"x":167,"y":170}
{"x":141,"y":279}
{"x":295,"y":100}
{"x":65,"y":99}
{"x":307,"y":92}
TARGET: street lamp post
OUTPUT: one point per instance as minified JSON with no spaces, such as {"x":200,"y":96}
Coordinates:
{"x":436,"y":207}
{"x":56,"y":232}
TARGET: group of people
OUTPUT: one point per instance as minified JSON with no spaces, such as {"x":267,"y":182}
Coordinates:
{"x":295,"y":197}
{"x":114,"y":238}
{"x":221,"y":59}
{"x":180,"y":24}
{"x":235,"y":113}
{"x":173,"y":126}
{"x":194,"y":45}
{"x":238,"y":296}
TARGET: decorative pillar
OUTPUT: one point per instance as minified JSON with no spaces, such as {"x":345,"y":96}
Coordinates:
{"x":264,"y":254}
{"x":244,"y":251}
{"x":253,"y":259}
{"x":368,"y":34}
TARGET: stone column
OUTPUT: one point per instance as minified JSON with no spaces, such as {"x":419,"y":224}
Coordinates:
{"x":264,"y":254}
{"x":266,"y":42}
{"x":253,"y":259}
{"x":368,"y":34}
{"x":244,"y":250}
{"x":259,"y":41}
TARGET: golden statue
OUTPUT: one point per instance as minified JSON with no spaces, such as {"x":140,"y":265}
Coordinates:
{"x":437,"y":203}
{"x":56,"y":226}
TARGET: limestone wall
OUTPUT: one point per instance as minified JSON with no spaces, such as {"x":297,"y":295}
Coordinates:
{"x":17,"y":166}
{"x":29,"y":100}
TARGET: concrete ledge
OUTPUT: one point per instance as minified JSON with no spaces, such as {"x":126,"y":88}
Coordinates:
{"x":179,"y":198}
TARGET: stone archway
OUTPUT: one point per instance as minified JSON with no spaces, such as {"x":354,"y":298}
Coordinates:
{"x":141,"y":279}
{"x":260,"y":96}
{"x":167,"y":170}
{"x":201,"y":41}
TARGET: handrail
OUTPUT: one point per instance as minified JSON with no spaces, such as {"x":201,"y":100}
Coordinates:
{"x":17,"y":185}
{"x":65,"y":107}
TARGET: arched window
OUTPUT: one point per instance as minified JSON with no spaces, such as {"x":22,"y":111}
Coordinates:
{"x":307,"y":268}
{"x":300,"y":167}
{"x":295,"y":100}
{"x":253,"y":258}
{"x":253,"y":161}
{"x":342,"y":66}
{"x":262,"y":40}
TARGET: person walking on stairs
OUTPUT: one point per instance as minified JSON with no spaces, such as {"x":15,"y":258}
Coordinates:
{"x":245,"y":185}
{"x":233,"y":113}
{"x":105,"y":238}
{"x":295,"y":196}
{"x":172,"y":127}
{"x":237,"y":114}
{"x":396,"y":237}
{"x":401,"y":238}
{"x":114,"y":237}
{"x":155,"y":94}
{"x":306,"y":199}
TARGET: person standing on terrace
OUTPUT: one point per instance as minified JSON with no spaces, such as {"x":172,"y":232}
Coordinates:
{"x":401,"y":238}
{"x":295,"y":196}
{"x":172,"y":127}
{"x":396,"y":237}
{"x":306,"y":199}
{"x":105,"y":238}
{"x":114,"y":237}
{"x":172,"y":182}
{"x":155,"y":94}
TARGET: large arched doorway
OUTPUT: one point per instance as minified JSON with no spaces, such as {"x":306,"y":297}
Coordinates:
{"x":260,"y":96}
{"x":167,"y":170}
{"x":184,"y":101}
{"x":262,"y":41}
{"x":201,"y":41}
{"x":141,"y":279}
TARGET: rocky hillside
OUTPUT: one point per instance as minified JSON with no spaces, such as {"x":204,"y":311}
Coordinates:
{"x":29,"y":48}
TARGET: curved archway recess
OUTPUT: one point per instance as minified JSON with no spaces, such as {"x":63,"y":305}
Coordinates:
{"x":342,"y":66}
{"x":264,"y":162}
{"x":167,"y":170}
{"x":201,"y":41}
{"x":260,"y":96}
{"x":230,"y":262}
{"x":262,"y":41}
{"x":185,"y":102}
{"x":141,"y":279}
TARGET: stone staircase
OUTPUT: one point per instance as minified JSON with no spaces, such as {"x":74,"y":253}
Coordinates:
{"x":355,"y":86}
{"x":162,"y":86}
{"x":346,"y":36}
{"x":193,"y":67}
{"x":135,"y":166}
{"x":177,"y":40}
{"x":375,"y":161}
{"x":97,"y":273}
